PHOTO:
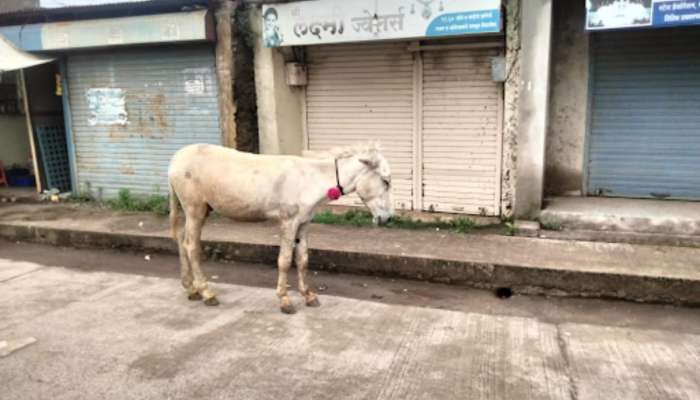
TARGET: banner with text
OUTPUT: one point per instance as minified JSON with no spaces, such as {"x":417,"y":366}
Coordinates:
{"x":336,"y":21}
{"x":616,"y":14}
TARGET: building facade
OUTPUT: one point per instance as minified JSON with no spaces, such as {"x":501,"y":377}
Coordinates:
{"x":488,"y":116}
{"x":625,"y":89}
{"x":130,"y":84}
{"x":437,"y":83}
{"x":597,"y":99}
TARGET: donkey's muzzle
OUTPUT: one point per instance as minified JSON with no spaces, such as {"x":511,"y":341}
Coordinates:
{"x":382,"y":220}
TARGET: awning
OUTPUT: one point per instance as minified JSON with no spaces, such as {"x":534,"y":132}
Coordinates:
{"x":12,"y":58}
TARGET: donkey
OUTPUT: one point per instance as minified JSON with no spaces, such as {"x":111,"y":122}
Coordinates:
{"x":250,"y":187}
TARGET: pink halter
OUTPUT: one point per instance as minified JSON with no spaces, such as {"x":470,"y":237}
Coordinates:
{"x":334,"y":193}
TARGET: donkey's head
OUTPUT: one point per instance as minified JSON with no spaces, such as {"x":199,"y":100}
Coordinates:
{"x":373,"y":185}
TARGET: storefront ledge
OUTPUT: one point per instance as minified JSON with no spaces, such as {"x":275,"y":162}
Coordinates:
{"x":638,"y":238}
{"x":424,"y":216}
{"x":677,"y":221}
{"x":573,"y":277}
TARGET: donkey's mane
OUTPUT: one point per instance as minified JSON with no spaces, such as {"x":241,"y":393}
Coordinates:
{"x":350,"y":151}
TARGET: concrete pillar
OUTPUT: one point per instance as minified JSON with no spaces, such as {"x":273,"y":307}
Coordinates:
{"x":535,"y":39}
{"x":279,"y":105}
{"x":225,"y":70}
{"x":568,"y":101}
{"x":511,"y":107}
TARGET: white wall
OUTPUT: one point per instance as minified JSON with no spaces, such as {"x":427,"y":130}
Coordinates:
{"x":14,"y":143}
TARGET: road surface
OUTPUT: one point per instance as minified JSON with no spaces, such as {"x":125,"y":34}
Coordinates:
{"x":85,"y":324}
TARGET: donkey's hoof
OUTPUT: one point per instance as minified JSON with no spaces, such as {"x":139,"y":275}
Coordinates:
{"x":194,"y":297}
{"x":311,"y":299}
{"x":313,"y":302}
{"x":212,"y":301}
{"x":288,"y":309}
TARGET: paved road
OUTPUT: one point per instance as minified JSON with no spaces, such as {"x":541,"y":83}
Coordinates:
{"x":80,"y":324}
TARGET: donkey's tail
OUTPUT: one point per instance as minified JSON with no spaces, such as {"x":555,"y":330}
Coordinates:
{"x":175,"y":213}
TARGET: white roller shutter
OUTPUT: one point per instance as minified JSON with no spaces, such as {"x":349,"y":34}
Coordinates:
{"x":363,"y":92}
{"x":461,"y":124}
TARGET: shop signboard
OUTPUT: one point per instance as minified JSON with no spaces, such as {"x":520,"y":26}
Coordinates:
{"x":337,"y":21}
{"x":618,"y":14}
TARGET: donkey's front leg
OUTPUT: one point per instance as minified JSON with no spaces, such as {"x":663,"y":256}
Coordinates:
{"x":302,"y":261}
{"x":284,"y":262}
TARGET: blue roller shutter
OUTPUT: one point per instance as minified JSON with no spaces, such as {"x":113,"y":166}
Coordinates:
{"x":645,"y":120}
{"x":168,"y":96}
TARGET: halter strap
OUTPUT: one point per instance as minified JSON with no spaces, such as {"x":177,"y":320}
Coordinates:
{"x":337,"y":178}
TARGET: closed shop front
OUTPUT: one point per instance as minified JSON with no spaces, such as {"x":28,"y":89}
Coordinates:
{"x":436,"y":111}
{"x":131,"y":91}
{"x":645,"y":125}
{"x":132,"y":109}
{"x":461,"y":131}
{"x":362,"y":92}
{"x":415,"y":76}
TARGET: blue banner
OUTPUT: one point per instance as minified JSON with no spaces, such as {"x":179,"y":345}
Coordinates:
{"x":465,"y":23}
{"x":616,"y":14}
{"x":676,"y":13}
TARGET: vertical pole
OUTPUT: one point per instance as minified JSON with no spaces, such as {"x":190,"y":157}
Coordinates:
{"x":417,"y":130}
{"x":30,"y":130}
{"x":225,"y":70}
{"x":304,"y":119}
{"x":499,"y":151}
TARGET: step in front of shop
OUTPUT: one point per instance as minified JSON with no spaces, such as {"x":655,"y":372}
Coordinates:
{"x":520,"y":279}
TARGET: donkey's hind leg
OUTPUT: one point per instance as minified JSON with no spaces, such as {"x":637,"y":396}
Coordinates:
{"x":178,"y":225}
{"x":186,"y":270}
{"x":196,"y":215}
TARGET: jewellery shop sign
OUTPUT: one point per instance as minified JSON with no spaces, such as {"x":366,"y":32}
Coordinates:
{"x":336,"y":21}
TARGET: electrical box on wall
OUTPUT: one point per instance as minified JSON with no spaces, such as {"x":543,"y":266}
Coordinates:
{"x":296,"y":74}
{"x":498,"y":69}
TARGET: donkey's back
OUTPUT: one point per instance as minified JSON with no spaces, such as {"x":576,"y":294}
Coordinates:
{"x":240,"y":185}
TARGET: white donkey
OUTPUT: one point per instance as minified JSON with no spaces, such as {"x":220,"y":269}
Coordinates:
{"x":250,"y":187}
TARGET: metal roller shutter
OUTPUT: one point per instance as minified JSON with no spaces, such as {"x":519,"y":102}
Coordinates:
{"x":645,"y":122}
{"x":363,"y":92}
{"x":461,"y":132}
{"x":170,"y":99}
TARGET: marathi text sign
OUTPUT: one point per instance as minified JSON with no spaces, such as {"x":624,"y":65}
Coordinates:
{"x":676,"y":13}
{"x":106,"y":106}
{"x":615,"y":14}
{"x":335,"y":21}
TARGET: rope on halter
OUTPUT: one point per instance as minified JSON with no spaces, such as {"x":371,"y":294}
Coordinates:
{"x":337,"y":178}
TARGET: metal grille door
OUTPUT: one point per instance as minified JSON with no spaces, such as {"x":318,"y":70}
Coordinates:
{"x":645,"y":121}
{"x":133,"y":109}
{"x":54,"y":154}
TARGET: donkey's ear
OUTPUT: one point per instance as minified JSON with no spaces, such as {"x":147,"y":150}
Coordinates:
{"x":370,"y":160}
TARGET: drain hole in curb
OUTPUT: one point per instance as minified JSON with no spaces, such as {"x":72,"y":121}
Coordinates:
{"x":504,"y":292}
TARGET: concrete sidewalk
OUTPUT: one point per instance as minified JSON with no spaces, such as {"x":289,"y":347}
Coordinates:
{"x":526,"y":265}
{"x":640,"y":216}
{"x":104,"y":335}
{"x":622,"y":220}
